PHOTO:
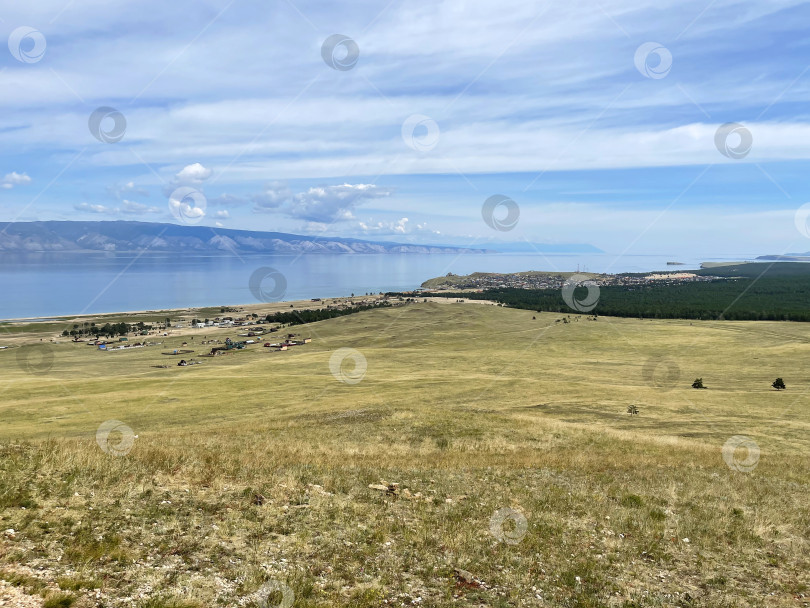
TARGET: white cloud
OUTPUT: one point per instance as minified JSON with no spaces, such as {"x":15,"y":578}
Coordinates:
{"x":398,"y":227}
{"x":187,"y":203}
{"x":502,"y":122}
{"x":333,"y":203}
{"x":90,"y":208}
{"x":272,"y":196}
{"x":194,"y":174}
{"x":14,"y":179}
{"x":120,"y":191}
{"x":126,"y":208}
{"x":222,"y":214}
{"x":315,"y":227}
{"x":190,"y":176}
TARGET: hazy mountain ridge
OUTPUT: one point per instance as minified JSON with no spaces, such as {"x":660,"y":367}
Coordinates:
{"x":787,"y":257}
{"x":124,"y":236}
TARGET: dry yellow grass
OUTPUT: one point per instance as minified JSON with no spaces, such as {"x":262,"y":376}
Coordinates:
{"x":509,"y":437}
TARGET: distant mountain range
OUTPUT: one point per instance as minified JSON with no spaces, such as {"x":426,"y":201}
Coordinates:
{"x":788,"y":257}
{"x":124,"y":237}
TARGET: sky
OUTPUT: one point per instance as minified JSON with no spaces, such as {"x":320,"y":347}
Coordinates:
{"x":636,"y":127}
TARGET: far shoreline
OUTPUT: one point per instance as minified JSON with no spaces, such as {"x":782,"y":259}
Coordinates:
{"x":304,"y":304}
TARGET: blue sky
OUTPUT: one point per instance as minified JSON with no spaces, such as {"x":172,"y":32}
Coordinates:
{"x":555,"y":105}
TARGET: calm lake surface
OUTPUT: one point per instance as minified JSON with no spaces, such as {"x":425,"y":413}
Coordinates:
{"x":43,"y":285}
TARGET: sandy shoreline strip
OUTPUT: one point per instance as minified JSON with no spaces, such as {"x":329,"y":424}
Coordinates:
{"x":241,"y":309}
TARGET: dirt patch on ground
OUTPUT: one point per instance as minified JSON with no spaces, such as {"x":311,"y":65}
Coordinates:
{"x":14,"y":597}
{"x":346,"y":417}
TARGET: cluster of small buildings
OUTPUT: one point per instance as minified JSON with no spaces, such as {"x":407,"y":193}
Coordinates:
{"x":289,"y":341}
{"x":122,"y":344}
{"x":217,"y":322}
{"x":336,"y":304}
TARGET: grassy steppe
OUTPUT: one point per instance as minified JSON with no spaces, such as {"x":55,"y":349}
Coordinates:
{"x":471,"y":410}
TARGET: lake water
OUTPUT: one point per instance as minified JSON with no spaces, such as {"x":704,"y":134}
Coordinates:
{"x":41,"y":285}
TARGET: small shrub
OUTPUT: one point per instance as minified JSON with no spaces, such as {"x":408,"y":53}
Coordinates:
{"x":632,"y":500}
{"x":778,"y":384}
{"x":59,"y":600}
{"x":717,"y":581}
{"x":75,"y":583}
{"x":698,"y":383}
{"x":29,"y":583}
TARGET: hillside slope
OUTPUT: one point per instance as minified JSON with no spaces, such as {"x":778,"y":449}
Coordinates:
{"x":483,"y":457}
